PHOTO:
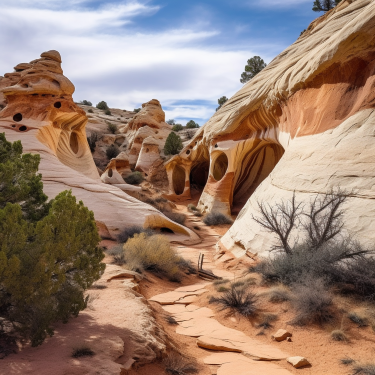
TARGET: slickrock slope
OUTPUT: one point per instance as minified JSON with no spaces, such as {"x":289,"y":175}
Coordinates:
{"x":40,"y":112}
{"x":305,"y":123}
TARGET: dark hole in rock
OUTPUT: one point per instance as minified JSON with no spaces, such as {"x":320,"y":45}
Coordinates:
{"x":220,"y":167}
{"x":110,"y":173}
{"x":166,"y":230}
{"x":187,"y":152}
{"x":22,"y":128}
{"x":13,"y":126}
{"x":17,"y":117}
{"x":57,"y":105}
{"x":74,"y":144}
{"x":216,"y":146}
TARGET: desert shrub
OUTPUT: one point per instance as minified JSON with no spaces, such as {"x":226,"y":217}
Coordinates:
{"x":117,"y":253}
{"x":112,"y":151}
{"x":267,"y":320}
{"x":220,"y":282}
{"x":176,"y":364}
{"x":312,"y":302}
{"x":131,"y":231}
{"x":90,"y":111}
{"x":347,"y":361}
{"x":222,"y":289}
{"x":152,"y":253}
{"x":91,"y":140}
{"x":82,"y":351}
{"x":173,"y":144}
{"x":171,"y":122}
{"x":102,"y":105}
{"x":108,"y":112}
{"x":49,"y":252}
{"x":189,"y":134}
{"x":112,"y":128}
{"x":136,"y":110}
{"x":338,"y":335}
{"x":237,"y":300}
{"x":134,"y":178}
{"x":175,"y":216}
{"x":177,"y":127}
{"x":86,"y":102}
{"x":217,"y":218}
{"x":191,"y":207}
{"x":279,"y":294}
{"x":191,"y":125}
{"x":364,"y":369}
{"x":359,"y":319}
{"x":171,"y":320}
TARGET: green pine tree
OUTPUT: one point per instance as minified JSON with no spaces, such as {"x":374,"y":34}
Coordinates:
{"x":221,"y":101}
{"x":252,"y":68}
{"x":324,"y":5}
{"x":192,"y":125}
{"x":173,"y":144}
{"x":46,"y":264}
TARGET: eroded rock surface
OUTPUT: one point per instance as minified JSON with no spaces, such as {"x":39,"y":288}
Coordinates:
{"x":39,"y":111}
{"x":305,"y":124}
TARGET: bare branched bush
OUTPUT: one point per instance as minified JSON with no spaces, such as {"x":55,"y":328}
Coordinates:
{"x":338,"y":335}
{"x":364,"y":369}
{"x":237,"y":300}
{"x":279,"y":294}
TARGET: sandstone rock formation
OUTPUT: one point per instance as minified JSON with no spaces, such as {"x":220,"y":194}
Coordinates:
{"x":305,"y":123}
{"x":39,"y":111}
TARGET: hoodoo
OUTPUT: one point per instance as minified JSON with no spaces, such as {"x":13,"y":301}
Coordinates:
{"x":304,"y":124}
{"x":38,"y":109}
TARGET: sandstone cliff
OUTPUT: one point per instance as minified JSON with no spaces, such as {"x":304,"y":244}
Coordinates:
{"x":305,"y":123}
{"x":39,"y":111}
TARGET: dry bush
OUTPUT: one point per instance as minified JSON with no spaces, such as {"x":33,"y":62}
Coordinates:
{"x":358,"y":318}
{"x":237,"y":300}
{"x":82,"y":351}
{"x":152,"y":253}
{"x":176,"y":364}
{"x":364,"y":369}
{"x":279,"y":294}
{"x":175,"y":216}
{"x":112,"y":128}
{"x":131,"y":231}
{"x":112,"y":151}
{"x":338,"y":335}
{"x":217,"y":218}
{"x":312,"y":302}
{"x":191,"y":207}
{"x":266,"y":321}
{"x":170,"y":320}
{"x":347,"y":361}
{"x":91,"y":140}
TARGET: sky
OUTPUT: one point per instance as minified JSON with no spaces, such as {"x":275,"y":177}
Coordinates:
{"x":185,"y":53}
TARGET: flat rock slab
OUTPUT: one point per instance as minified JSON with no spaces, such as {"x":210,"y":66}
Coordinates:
{"x":201,"y":312}
{"x":192,"y":288}
{"x":243,"y":367}
{"x":213,"y":335}
{"x":174,"y":296}
{"x":116,"y":272}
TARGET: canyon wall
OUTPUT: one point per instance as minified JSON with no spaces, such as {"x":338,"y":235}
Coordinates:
{"x":304,"y":124}
{"x":37,"y":108}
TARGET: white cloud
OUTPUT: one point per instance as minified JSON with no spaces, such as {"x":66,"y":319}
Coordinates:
{"x":107,"y":61}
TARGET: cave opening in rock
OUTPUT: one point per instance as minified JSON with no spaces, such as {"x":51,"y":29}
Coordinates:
{"x":198,"y":176}
{"x":74,"y":144}
{"x":57,"y":105}
{"x":110,"y":172}
{"x":166,"y":230}
{"x":22,"y":128}
{"x":220,"y":167}
{"x":257,"y":164}
{"x":17,"y":117}
{"x":178,"y":178}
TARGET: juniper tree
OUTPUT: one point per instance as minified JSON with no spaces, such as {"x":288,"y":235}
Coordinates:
{"x":173,"y":144}
{"x":102,"y":105}
{"x":252,"y":68}
{"x":192,"y":125}
{"x":324,"y":5}
{"x":221,"y":101}
{"x":47,"y":259}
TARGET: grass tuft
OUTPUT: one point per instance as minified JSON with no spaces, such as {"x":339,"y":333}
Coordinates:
{"x":217,"y":218}
{"x":82,"y":351}
{"x":176,"y":364}
{"x":338,"y":335}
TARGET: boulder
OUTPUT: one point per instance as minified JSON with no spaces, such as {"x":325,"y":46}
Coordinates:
{"x":281,"y":335}
{"x":298,"y":362}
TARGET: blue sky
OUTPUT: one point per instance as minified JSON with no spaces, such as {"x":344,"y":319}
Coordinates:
{"x":187,"y":54}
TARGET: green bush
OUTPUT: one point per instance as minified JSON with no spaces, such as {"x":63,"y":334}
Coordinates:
{"x":217,"y":218}
{"x":152,"y":253}
{"x":177,"y":127}
{"x":192,"y":125}
{"x":112,"y":128}
{"x":173,"y":144}
{"x":136,"y":110}
{"x":90,"y":111}
{"x":108,"y":112}
{"x":112,"y":151}
{"x":171,"y":122}
{"x":49,"y":252}
{"x":86,"y":102}
{"x":102,"y":105}
{"x":134,"y":178}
